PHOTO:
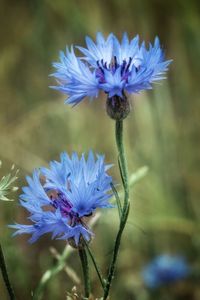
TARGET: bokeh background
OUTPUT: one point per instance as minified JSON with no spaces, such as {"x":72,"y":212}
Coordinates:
{"x":162,"y":132}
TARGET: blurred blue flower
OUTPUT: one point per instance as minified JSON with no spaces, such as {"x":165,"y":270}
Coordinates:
{"x":108,"y":65}
{"x":165,"y":269}
{"x":61,"y":197}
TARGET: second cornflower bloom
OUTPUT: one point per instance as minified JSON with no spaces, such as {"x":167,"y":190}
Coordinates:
{"x":62,"y":197}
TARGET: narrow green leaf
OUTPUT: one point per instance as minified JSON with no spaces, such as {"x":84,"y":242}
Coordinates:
{"x":118,"y":201}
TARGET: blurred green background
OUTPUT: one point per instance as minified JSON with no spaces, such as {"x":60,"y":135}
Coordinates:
{"x":162,"y":132}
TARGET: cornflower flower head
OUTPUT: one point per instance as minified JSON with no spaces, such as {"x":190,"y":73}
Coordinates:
{"x":165,"y":269}
{"x":62,"y":197}
{"x":114,"y":67}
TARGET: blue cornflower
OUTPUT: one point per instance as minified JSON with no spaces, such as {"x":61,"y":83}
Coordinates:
{"x":61,"y":197}
{"x":165,"y":269}
{"x":116,"y":68}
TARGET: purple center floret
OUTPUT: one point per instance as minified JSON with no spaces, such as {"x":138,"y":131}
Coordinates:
{"x":113,"y":66}
{"x":60,"y":201}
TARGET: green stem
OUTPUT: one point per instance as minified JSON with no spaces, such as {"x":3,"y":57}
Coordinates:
{"x":95,"y":266}
{"x":85,"y":267}
{"x":5,"y":275}
{"x":122,"y":161}
{"x":49,"y":274}
{"x":125,"y":209}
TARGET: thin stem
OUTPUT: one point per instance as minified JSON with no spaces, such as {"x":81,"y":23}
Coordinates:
{"x":122,"y":161}
{"x":50,"y":273}
{"x":5,"y":275}
{"x":85,"y":267}
{"x":125,"y":209}
{"x":95,"y":266}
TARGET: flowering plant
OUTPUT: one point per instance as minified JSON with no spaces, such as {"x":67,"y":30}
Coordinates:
{"x":60,"y":199}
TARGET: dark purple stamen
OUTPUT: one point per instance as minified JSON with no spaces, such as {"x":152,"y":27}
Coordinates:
{"x":113,"y":65}
{"x":129,"y":63}
{"x":115,"y":62}
{"x":100,"y":73}
{"x":123,"y":67}
{"x":60,"y":201}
